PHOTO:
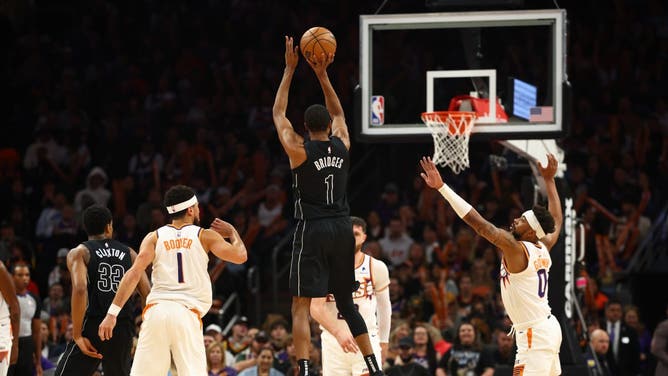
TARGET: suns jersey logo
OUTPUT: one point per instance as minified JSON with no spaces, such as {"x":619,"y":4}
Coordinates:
{"x":364,"y":291}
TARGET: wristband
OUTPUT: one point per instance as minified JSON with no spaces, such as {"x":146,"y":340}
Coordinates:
{"x":114,"y":310}
{"x":459,"y":205}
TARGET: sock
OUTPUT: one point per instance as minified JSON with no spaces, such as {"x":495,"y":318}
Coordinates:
{"x":372,"y":364}
{"x":303,"y":367}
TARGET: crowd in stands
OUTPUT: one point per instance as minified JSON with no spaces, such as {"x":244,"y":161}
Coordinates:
{"x":113,"y":102}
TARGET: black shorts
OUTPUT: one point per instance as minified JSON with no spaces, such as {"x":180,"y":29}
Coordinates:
{"x":25,"y":365}
{"x":115,"y":352}
{"x":323,"y":257}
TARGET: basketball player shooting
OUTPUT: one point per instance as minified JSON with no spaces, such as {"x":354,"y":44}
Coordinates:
{"x":323,"y":251}
{"x":525,"y":268}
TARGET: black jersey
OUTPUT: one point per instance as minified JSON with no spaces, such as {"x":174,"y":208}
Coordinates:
{"x":319,"y":184}
{"x":109,"y":260}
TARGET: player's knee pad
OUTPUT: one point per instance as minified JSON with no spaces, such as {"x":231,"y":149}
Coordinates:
{"x":344,"y":303}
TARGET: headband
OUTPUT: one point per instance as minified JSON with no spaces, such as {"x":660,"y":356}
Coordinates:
{"x":533,"y":223}
{"x":182,"y":206}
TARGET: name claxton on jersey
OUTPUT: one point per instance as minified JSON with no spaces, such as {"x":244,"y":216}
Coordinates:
{"x":110,"y":252}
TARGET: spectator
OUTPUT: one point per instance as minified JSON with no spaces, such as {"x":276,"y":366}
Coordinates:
{"x":215,"y":361}
{"x":464,"y":355}
{"x":424,"y":353}
{"x":404,"y":363}
{"x":396,"y":242}
{"x":60,"y":268}
{"x":388,"y":206}
{"x":265,"y":361}
{"x":56,"y":301}
{"x":632,"y":321}
{"x":623,"y":341}
{"x":144,"y":216}
{"x":600,"y":343}
{"x":215,"y":331}
{"x":238,"y":341}
{"x":248,"y":357}
{"x":94,"y":193}
{"x":498,"y":356}
{"x":50,"y":349}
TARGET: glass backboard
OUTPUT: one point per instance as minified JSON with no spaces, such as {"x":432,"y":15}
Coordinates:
{"x":412,"y":63}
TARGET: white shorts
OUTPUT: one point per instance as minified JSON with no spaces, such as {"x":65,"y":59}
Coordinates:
{"x":538,"y":348}
{"x":170,"y":330}
{"x":5,"y":345}
{"x":335,"y":362}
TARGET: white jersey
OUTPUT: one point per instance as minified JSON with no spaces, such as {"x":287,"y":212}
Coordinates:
{"x":524,"y":294}
{"x":180,"y":269}
{"x":4,"y":309}
{"x":373,"y":277}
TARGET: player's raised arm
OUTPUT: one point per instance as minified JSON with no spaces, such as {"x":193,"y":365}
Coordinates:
{"x":339,"y":127}
{"x":213,"y":240}
{"x":553,"y":201}
{"x":129,"y":284}
{"x":503,"y":239}
{"x":291,"y":141}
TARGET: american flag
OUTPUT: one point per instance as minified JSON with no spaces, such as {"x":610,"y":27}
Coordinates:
{"x":545,"y":113}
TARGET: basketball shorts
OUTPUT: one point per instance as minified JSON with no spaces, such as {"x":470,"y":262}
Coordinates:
{"x":538,"y":346}
{"x":115,"y":352}
{"x":170,"y":330}
{"x":335,"y":362}
{"x":5,"y":345}
{"x":323,"y":257}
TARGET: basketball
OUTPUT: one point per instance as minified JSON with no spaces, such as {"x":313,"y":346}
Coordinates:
{"x":315,"y":41}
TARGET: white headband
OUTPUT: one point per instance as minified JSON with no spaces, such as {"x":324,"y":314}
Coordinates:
{"x":182,"y":206}
{"x":533,"y":223}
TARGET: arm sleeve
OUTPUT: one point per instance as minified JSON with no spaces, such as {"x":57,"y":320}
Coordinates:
{"x":384,"y":315}
{"x":381,"y":282}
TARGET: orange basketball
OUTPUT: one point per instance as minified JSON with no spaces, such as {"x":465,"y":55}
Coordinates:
{"x":317,"y":40}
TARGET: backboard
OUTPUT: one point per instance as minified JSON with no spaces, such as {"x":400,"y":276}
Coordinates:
{"x":412,"y":63}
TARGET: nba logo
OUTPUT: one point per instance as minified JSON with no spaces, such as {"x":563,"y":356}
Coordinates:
{"x":377,"y":110}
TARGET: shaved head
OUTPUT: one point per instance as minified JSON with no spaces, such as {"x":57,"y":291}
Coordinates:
{"x":600,"y":341}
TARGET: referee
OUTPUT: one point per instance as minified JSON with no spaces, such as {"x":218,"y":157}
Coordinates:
{"x":30,"y":342}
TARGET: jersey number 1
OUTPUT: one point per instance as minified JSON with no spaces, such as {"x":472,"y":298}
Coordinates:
{"x":179,"y":265}
{"x":329,"y":189}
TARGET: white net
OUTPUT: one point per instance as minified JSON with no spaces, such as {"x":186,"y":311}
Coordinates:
{"x":451,"y":131}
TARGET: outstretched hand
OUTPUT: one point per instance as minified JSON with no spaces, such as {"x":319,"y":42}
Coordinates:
{"x":320,"y":63}
{"x":431,"y":175}
{"x":550,"y":170}
{"x":291,"y":55}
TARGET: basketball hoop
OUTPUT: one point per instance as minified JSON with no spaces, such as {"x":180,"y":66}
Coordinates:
{"x":451,"y":131}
